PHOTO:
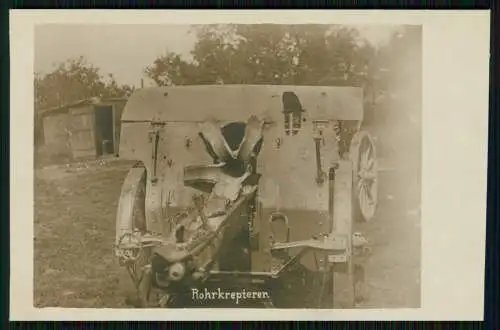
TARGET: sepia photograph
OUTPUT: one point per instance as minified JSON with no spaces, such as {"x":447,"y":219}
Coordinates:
{"x":248,"y":165}
{"x":227,"y":166}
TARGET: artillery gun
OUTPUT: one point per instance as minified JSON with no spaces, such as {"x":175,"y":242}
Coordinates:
{"x":248,"y":185}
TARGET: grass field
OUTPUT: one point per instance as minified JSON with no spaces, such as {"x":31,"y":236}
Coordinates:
{"x":74,"y":230}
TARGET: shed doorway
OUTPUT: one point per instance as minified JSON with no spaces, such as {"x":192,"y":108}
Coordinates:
{"x":104,"y":122}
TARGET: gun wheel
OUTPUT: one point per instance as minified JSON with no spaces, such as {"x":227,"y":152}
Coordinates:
{"x":365,"y":176}
{"x":131,"y":219}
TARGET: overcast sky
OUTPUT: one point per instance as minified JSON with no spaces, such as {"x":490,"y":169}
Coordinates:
{"x":124,"y":50}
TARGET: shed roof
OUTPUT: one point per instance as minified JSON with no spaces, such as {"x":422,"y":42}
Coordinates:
{"x":81,"y":103}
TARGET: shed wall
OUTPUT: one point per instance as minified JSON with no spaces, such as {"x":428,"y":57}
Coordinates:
{"x":70,"y":133}
{"x":118,"y":111}
{"x":56,"y":147}
{"x":82,"y":132}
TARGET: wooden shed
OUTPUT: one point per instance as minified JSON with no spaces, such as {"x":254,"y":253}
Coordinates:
{"x":84,"y":129}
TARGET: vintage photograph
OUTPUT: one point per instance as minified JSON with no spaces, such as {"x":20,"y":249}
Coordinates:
{"x":227,"y":165}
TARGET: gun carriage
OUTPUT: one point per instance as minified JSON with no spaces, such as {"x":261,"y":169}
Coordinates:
{"x":250,"y":185}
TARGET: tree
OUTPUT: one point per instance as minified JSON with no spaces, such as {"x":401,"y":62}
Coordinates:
{"x":399,"y":81}
{"x":74,"y":80}
{"x":269,"y":54}
{"x":401,"y":59}
{"x":171,"y":69}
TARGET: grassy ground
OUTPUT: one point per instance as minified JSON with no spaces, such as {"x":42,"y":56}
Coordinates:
{"x":75,"y":222}
{"x":74,"y":230}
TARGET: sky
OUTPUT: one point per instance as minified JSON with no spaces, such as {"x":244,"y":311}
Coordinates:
{"x":124,"y":50}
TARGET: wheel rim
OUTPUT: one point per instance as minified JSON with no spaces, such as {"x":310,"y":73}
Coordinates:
{"x":365,"y":182}
{"x":131,"y":217}
{"x":139,"y":222}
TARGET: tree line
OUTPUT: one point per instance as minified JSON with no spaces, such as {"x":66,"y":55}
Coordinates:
{"x":258,"y":54}
{"x":75,"y":80}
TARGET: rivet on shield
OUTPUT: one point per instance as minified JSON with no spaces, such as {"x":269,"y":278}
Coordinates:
{"x":278,"y":143}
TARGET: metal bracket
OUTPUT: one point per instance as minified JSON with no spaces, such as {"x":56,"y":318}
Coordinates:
{"x":320,"y":174}
{"x":154,"y":139}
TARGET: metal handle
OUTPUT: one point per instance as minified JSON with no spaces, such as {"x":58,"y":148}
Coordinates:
{"x":154,"y":138}
{"x":320,"y":175}
{"x":277,"y":216}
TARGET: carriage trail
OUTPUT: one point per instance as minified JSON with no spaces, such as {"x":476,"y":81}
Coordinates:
{"x":75,"y":222}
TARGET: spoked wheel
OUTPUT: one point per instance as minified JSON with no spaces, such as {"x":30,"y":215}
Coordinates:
{"x":130,"y":225}
{"x":365,"y":172}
